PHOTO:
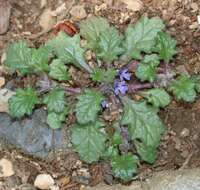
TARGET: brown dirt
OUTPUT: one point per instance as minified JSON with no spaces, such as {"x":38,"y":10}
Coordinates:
{"x":180,"y":144}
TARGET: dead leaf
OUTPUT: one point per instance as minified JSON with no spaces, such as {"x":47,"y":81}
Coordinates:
{"x":134,"y":5}
{"x":78,"y":12}
{"x":46,"y":19}
{"x":2,"y":81}
{"x":5,"y":9}
{"x":5,"y":94}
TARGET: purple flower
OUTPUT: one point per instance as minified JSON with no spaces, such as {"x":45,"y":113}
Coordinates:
{"x":104,"y":104}
{"x":124,"y":74}
{"x":120,"y":87}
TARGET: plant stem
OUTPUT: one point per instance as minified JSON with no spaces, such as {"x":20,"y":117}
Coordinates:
{"x":136,"y":87}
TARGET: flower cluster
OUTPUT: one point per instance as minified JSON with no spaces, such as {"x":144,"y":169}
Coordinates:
{"x":120,"y":86}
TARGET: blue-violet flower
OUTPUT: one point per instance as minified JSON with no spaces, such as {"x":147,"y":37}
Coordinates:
{"x":124,"y":74}
{"x":104,"y":104}
{"x":120,"y":87}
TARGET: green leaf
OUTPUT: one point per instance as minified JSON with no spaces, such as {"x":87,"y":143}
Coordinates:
{"x":27,"y":60}
{"x":196,"y":79}
{"x":68,"y":50}
{"x":142,"y":121}
{"x":89,"y":142}
{"x":55,"y":100}
{"x":146,"y":72}
{"x":101,"y":75}
{"x":91,"y":29}
{"x":165,"y":46}
{"x":116,"y":139}
{"x":124,"y":166}
{"x":109,"y":45}
{"x":58,"y":70}
{"x":141,"y":37}
{"x":39,"y":60}
{"x":110,"y":152}
{"x":147,"y":153}
{"x":23,"y":102}
{"x":54,"y":120}
{"x":151,"y":59}
{"x":157,"y":97}
{"x":19,"y":57}
{"x":88,"y":106}
{"x":183,"y":88}
{"x":104,"y":40}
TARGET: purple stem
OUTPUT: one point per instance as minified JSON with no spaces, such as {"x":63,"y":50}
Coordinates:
{"x":72,"y":91}
{"x":132,"y":88}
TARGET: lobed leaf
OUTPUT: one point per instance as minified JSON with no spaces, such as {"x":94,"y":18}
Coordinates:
{"x":147,"y":153}
{"x":142,"y":121}
{"x":58,"y":70}
{"x":89,"y":141}
{"x":183,"y":88}
{"x":55,"y":100}
{"x":68,"y":50}
{"x":157,"y":97}
{"x":23,"y":102}
{"x":101,"y":75}
{"x":103,"y":39}
{"x":141,"y":37}
{"x":165,"y":46}
{"x":88,"y":106}
{"x":124,"y":166}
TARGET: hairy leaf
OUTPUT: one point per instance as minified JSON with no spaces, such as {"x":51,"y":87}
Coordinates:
{"x":91,"y":29}
{"x":141,"y":37}
{"x":39,"y":60}
{"x":124,"y":166}
{"x":89,"y":142}
{"x":104,"y":40}
{"x":147,"y":153}
{"x":101,"y":75}
{"x":58,"y":70}
{"x":157,"y":97}
{"x":19,"y":57}
{"x":183,"y":88}
{"x":196,"y":79}
{"x":151,"y":59}
{"x":146,"y":72}
{"x":23,"y":102}
{"x":142,"y":121}
{"x":165,"y":46}
{"x":27,"y":60}
{"x":55,"y":100}
{"x":109,"y":46}
{"x":68,"y":50}
{"x":54,"y":120}
{"x":88,"y":106}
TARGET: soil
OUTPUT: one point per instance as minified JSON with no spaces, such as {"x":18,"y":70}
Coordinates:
{"x":180,"y":143}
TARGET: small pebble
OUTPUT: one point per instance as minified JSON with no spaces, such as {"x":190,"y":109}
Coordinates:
{"x":6,"y":168}
{"x":185,"y":133}
{"x":44,"y":181}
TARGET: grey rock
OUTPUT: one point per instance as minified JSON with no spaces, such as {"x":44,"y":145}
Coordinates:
{"x":188,"y":179}
{"x":33,"y":136}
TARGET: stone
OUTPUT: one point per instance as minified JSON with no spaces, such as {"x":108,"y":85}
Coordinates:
{"x":33,"y":136}
{"x":78,"y":12}
{"x":188,"y":179}
{"x":134,"y":5}
{"x":44,"y":181}
{"x":6,"y":168}
{"x":5,"y":10}
{"x":5,"y":95}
